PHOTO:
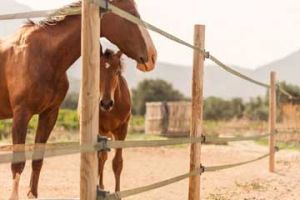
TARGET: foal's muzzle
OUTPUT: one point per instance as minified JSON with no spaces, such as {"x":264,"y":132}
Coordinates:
{"x":106,"y":104}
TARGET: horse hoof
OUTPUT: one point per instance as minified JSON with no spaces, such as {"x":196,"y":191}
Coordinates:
{"x":31,"y":196}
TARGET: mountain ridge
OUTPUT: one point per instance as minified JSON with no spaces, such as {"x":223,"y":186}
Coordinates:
{"x":217,"y":81}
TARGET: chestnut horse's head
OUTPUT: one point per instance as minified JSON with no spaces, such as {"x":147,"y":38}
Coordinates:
{"x":131,"y":39}
{"x":110,"y":70}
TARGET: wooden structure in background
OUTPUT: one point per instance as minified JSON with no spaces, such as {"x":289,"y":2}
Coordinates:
{"x":179,"y":121}
{"x":169,"y":119}
{"x":156,"y":118}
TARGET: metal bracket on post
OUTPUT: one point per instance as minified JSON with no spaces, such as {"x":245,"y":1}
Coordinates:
{"x":203,"y":140}
{"x":102,"y":142}
{"x":202,"y":169}
{"x":101,"y":194}
{"x":206,"y":54}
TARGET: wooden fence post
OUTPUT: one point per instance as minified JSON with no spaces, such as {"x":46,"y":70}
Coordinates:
{"x":272,"y":120}
{"x":197,"y":111}
{"x":89,"y":117}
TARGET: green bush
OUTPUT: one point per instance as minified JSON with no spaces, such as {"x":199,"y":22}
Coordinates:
{"x":294,"y":90}
{"x":137,"y":121}
{"x":257,"y":109}
{"x":219,"y":109}
{"x":5,"y":128}
{"x":68,"y":119}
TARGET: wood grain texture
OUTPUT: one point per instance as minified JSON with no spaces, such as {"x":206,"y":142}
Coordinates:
{"x":197,"y":111}
{"x":272,"y":121}
{"x":89,"y":117}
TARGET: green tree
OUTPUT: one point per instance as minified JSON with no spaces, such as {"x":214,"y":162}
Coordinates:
{"x":257,"y":109}
{"x":237,"y":107}
{"x":219,"y":109}
{"x":152,"y":91}
{"x":293,"y":90}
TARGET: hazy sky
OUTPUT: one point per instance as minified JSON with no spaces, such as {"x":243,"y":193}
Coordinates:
{"x":247,"y":33}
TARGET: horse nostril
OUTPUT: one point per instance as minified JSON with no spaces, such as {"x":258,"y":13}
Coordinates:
{"x":153,"y":58}
{"x":106,"y":104}
{"x":143,"y":59}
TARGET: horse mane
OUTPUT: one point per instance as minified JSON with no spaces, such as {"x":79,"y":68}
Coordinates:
{"x":53,"y":20}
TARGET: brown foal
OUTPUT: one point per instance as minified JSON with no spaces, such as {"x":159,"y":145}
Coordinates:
{"x":115,"y":110}
{"x":33,"y":65}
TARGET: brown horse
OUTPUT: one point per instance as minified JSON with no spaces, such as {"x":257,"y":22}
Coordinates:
{"x":33,"y":65}
{"x":115,"y":110}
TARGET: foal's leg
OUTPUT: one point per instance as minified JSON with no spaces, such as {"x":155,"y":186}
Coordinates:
{"x":46,"y":123}
{"x":21,"y":119}
{"x":119,"y":134}
{"x":102,"y":159}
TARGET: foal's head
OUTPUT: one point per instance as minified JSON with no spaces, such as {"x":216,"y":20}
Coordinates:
{"x":111,"y":70}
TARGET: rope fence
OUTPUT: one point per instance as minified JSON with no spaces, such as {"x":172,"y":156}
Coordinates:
{"x":169,"y":36}
{"x":21,"y":153}
{"x":103,"y":195}
{"x":40,"y":151}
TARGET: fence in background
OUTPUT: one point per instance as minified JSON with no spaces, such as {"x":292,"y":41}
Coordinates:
{"x":89,"y":146}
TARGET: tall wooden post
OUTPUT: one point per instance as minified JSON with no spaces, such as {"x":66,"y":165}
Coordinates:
{"x":197,"y":111}
{"x":89,"y":110}
{"x":272,"y":120}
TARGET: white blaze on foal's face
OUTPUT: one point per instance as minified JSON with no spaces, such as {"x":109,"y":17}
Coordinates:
{"x":107,"y":65}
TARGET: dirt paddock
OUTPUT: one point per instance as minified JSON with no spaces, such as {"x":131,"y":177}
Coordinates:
{"x":60,"y":176}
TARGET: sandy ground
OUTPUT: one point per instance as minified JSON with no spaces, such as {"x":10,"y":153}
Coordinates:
{"x":60,"y":176}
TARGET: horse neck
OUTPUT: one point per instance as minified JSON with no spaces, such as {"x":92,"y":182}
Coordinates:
{"x":65,"y":37}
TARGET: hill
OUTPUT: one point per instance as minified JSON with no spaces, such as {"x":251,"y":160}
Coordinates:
{"x":217,"y":82}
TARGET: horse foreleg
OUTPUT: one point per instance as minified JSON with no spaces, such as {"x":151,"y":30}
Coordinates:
{"x":21,"y":119}
{"x":117,"y":168}
{"x":46,"y":123}
{"x":119,"y":134}
{"x":102,"y":159}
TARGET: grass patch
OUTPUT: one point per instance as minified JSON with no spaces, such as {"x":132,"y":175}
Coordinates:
{"x":281,"y":145}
